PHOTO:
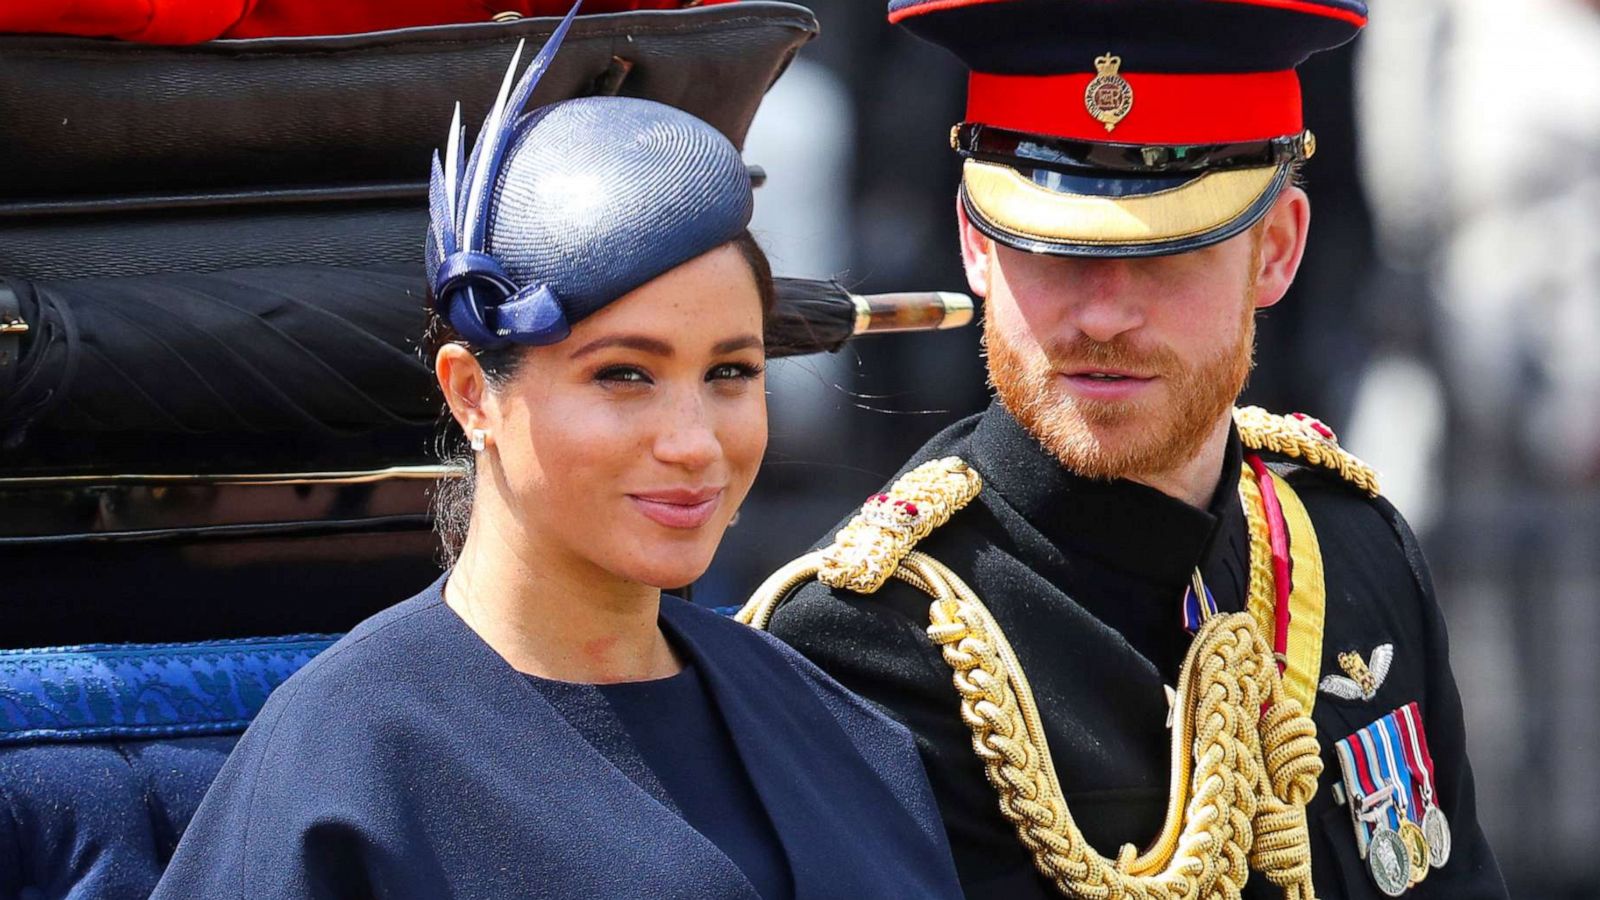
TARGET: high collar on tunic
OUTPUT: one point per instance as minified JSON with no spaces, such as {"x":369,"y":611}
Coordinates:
{"x":1149,"y":540}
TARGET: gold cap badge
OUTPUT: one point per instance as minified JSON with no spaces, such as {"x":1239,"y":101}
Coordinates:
{"x":1109,"y":97}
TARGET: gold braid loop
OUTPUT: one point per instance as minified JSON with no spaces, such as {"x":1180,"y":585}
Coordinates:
{"x":1240,"y":780}
{"x":1303,"y":438}
{"x":1245,"y":759}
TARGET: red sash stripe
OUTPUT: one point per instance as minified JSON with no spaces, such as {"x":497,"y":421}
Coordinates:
{"x":1278,"y":539}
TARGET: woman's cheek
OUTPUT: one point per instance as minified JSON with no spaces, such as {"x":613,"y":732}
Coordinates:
{"x":746,"y":442}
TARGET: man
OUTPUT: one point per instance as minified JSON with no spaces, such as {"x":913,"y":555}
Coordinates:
{"x":1193,"y":649}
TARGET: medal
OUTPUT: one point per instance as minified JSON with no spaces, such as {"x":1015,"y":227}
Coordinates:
{"x":1388,"y":857}
{"x":1416,"y":849}
{"x":1388,"y":733}
{"x":1389,"y":861}
{"x":1414,"y":743}
{"x":1374,"y":814}
{"x":1437,"y":829}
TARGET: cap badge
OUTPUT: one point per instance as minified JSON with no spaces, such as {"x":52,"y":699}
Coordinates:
{"x":1109,"y":97}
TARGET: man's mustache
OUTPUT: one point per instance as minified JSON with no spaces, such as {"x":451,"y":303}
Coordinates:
{"x":1083,"y":352}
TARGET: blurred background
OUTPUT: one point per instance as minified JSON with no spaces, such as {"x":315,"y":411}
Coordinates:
{"x":1445,"y":322}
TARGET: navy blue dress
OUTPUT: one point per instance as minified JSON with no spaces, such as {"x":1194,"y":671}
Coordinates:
{"x":667,"y":736}
{"x":410,"y":760}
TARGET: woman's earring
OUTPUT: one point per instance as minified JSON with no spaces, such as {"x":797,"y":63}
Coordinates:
{"x":479,"y":439}
{"x":734,"y":520}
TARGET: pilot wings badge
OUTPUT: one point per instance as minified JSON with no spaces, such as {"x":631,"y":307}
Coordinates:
{"x":1360,"y":680}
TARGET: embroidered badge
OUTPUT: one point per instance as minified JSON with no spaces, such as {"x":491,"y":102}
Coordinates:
{"x":1109,"y":97}
{"x":1360,"y":680}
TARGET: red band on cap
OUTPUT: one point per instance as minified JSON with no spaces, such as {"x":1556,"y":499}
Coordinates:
{"x":1300,"y":6}
{"x":1167,"y":109}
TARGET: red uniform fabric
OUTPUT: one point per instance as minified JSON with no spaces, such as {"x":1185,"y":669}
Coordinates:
{"x":193,"y":21}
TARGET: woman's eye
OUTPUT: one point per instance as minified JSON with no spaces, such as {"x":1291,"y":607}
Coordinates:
{"x":733,"y":371}
{"x":622,"y":375}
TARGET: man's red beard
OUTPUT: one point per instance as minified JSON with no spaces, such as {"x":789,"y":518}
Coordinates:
{"x":1119,"y":439}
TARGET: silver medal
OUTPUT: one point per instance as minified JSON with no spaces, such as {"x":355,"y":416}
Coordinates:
{"x":1436,"y":828}
{"x":1389,"y":862}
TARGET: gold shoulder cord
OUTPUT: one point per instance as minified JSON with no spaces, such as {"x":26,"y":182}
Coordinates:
{"x":1245,"y":759}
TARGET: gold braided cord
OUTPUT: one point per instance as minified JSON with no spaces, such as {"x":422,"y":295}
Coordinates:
{"x":757,"y":611}
{"x":1245,"y":758}
{"x":1298,"y":438}
{"x":1246,"y":777}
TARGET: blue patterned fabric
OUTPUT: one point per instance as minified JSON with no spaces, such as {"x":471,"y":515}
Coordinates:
{"x":127,"y":691}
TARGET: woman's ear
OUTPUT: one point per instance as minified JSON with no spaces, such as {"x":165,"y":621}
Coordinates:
{"x":1282,"y":245}
{"x":976,"y":257}
{"x":465,"y":388}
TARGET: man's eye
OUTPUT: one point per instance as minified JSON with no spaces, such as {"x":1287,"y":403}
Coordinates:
{"x":622,"y":375}
{"x":733,"y":371}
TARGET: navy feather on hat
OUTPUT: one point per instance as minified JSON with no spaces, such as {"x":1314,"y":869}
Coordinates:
{"x":560,"y":211}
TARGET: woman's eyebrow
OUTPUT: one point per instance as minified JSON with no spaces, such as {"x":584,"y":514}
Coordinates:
{"x":731,"y":345}
{"x":643,"y":344}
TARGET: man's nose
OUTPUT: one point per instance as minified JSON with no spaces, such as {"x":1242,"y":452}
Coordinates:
{"x":1106,"y":303}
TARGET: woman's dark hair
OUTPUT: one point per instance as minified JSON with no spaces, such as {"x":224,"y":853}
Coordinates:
{"x":452,"y":496}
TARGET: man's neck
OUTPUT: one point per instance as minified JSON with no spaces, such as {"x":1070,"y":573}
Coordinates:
{"x":1195,"y":481}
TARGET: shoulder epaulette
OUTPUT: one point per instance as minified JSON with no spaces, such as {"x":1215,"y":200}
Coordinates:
{"x":865,"y":552}
{"x":1303,"y":438}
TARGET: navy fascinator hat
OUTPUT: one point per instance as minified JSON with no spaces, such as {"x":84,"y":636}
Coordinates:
{"x":559,"y":211}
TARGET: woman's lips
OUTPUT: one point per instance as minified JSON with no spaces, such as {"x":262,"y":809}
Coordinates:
{"x":678,"y":509}
{"x":1107,"y":384}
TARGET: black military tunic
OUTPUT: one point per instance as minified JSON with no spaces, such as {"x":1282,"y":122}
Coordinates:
{"x":1086,"y":579}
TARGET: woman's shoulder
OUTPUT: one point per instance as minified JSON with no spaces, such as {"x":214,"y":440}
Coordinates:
{"x":850,"y":708}
{"x":356,"y":679}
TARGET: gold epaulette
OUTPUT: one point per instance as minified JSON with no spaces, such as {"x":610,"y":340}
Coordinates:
{"x":1301,"y":437}
{"x":865,"y":553}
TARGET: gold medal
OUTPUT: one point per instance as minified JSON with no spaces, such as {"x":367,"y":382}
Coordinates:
{"x":1109,"y":97}
{"x":1416,"y":848}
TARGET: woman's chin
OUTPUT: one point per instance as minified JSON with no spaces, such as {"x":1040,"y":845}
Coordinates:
{"x":667,"y":571}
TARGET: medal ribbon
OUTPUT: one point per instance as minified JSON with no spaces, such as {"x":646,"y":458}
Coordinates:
{"x":1356,"y":788}
{"x":1388,"y":730}
{"x":1373,"y":763}
{"x":1416,"y":751}
{"x":1198,"y":606}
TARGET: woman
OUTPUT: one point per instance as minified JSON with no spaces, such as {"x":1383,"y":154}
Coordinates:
{"x":542,"y":721}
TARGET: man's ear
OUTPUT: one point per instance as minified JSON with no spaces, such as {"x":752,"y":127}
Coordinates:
{"x":1283,"y":244}
{"x":976,"y":252}
{"x":465,"y":388}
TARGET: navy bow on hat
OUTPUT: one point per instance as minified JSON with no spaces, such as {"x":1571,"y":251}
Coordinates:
{"x":566,"y":208}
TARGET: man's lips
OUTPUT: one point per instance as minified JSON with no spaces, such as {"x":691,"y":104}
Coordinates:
{"x":679,"y":507}
{"x":1105,"y":383}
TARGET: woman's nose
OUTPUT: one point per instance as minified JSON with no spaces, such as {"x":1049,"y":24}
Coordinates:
{"x":687,"y":438}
